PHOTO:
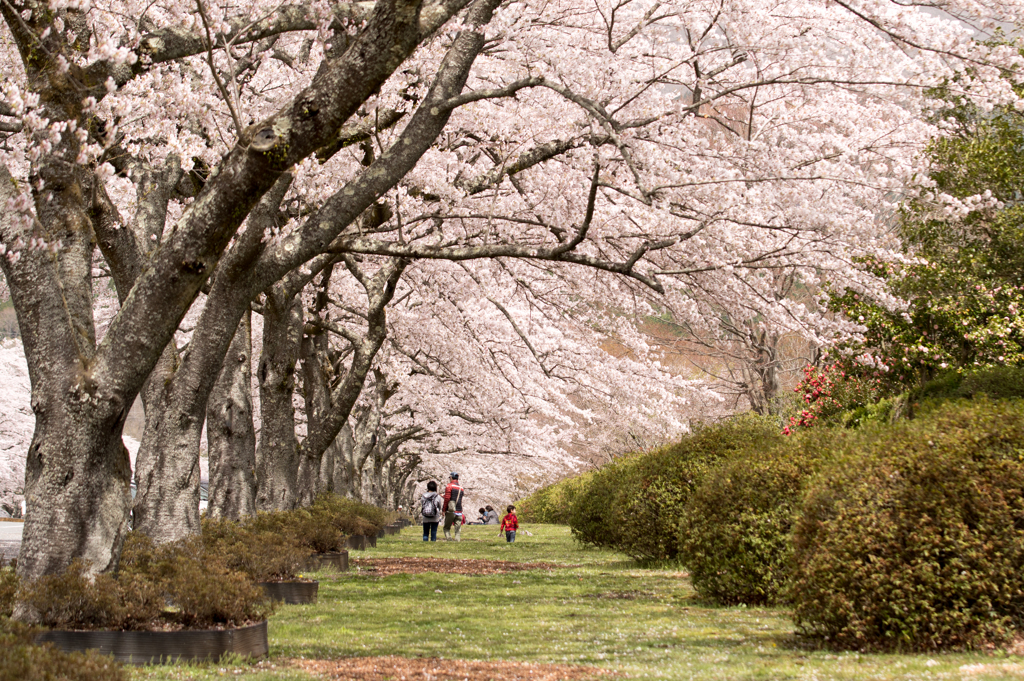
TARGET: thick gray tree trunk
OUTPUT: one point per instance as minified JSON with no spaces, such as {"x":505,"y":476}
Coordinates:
{"x":230,"y":434}
{"x":277,"y":459}
{"x":318,"y":372}
{"x":344,"y":473}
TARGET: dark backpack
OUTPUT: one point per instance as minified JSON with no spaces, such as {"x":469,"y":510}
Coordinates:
{"x":429,"y":508}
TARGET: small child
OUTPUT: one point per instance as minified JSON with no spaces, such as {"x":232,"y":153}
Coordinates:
{"x":509,"y":525}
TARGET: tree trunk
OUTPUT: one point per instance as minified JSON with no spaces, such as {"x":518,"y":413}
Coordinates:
{"x":77,"y":471}
{"x":277,"y":458}
{"x":230,"y":433}
{"x":166,"y":506}
{"x":344,"y":464}
{"x":317,"y":373}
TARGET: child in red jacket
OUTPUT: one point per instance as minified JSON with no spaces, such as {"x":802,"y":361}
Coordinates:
{"x":509,"y":525}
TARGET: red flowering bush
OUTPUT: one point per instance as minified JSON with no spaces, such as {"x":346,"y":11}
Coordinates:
{"x":829,"y":391}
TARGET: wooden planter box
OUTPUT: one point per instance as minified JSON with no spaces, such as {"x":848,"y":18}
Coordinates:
{"x":392,"y":529}
{"x":153,"y":647}
{"x":334,"y":560}
{"x":360,"y":542}
{"x":292,"y":593}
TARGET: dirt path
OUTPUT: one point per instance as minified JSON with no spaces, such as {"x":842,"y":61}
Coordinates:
{"x":393,"y":566}
{"x":393,"y":668}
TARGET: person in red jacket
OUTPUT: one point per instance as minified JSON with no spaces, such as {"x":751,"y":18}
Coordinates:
{"x":509,"y":525}
{"x":453,"y":515}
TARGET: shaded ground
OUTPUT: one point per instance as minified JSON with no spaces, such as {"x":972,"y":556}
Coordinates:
{"x":394,"y":668}
{"x":451,"y":566}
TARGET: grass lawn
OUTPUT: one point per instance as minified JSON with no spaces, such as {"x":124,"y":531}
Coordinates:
{"x":596,"y":608}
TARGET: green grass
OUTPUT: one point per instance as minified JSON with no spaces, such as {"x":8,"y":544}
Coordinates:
{"x":600,"y":609}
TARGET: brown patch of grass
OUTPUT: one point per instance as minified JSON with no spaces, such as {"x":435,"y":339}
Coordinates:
{"x":394,"y":668}
{"x":450,"y":566}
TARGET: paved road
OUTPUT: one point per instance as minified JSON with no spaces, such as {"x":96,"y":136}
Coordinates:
{"x":10,"y":539}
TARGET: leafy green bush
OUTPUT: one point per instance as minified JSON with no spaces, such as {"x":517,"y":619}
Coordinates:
{"x":1003,"y":382}
{"x":913,"y":537}
{"x":21,"y":659}
{"x":635,"y":503}
{"x":552,"y":504}
{"x":734,"y":533}
{"x":592,"y":514}
{"x":201,"y":590}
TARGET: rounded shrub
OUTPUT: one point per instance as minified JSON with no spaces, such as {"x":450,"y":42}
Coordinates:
{"x":734,"y":532}
{"x":593,"y":516}
{"x":635,"y":504}
{"x":912,"y":538}
{"x":553,"y":504}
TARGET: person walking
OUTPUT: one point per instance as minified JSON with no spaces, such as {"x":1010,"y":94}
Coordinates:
{"x":509,"y":525}
{"x":453,"y":495}
{"x":430,"y":508}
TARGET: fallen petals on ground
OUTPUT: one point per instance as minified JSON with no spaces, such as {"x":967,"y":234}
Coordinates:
{"x":454,"y":566}
{"x":394,"y":668}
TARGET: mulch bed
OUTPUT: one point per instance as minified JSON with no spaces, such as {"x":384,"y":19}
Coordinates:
{"x":394,"y":668}
{"x":451,"y":566}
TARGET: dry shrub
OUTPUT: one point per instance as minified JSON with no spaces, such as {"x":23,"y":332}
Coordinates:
{"x":21,"y":659}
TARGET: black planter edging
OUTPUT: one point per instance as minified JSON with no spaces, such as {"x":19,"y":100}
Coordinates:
{"x":150,"y":647}
{"x":360,"y":542}
{"x":334,"y":560}
{"x":292,"y":593}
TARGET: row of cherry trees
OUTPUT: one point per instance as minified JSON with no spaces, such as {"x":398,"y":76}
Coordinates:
{"x":342,"y":167}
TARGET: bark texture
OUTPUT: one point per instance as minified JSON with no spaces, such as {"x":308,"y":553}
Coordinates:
{"x":230,"y":434}
{"x":277,"y":459}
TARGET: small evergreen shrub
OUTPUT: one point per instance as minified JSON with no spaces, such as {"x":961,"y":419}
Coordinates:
{"x":325,"y":525}
{"x":8,"y":588}
{"x":913,"y":537}
{"x":734,"y":533}
{"x":21,"y":659}
{"x":178,"y":585}
{"x":264,"y":555}
{"x":74,"y":599}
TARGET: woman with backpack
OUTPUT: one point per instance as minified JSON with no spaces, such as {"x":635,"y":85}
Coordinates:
{"x":430,"y":509}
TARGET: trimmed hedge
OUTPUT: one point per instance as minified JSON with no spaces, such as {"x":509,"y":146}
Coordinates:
{"x":734,"y":533}
{"x":635,"y":504}
{"x":553,"y":504}
{"x":913,"y":538}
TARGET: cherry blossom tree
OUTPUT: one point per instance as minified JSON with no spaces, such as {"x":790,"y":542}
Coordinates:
{"x":226,"y":148}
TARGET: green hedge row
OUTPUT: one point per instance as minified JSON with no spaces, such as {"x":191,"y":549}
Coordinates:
{"x":891,"y":536}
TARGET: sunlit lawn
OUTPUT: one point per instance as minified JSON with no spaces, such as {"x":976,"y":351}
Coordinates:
{"x":599,"y":610}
